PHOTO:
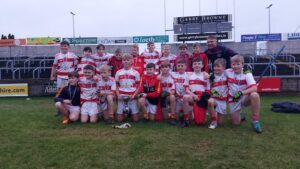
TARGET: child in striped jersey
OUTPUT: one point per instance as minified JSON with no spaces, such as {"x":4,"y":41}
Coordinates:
{"x":101,"y":57}
{"x":151,"y":56}
{"x":167,"y":56}
{"x":168,"y":92}
{"x":242,"y":92}
{"x":197,"y":89}
{"x":127,"y":80}
{"x":219,"y":91}
{"x":179,"y":78}
{"x":88,"y":95}
{"x":85,"y":59}
{"x":107,"y":88}
{"x":64,"y":63}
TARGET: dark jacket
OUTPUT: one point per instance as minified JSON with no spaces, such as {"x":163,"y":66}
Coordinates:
{"x":220,"y":52}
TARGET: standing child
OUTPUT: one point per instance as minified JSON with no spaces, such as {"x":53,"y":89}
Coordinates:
{"x":151,"y":56}
{"x":68,"y":99}
{"x":88,"y":96}
{"x":168,"y":91}
{"x":242,"y":92}
{"x":149,"y":92}
{"x":138,"y":60}
{"x":64,"y":63}
{"x":197,"y":52}
{"x":167,"y":56}
{"x":101,"y":57}
{"x":197,"y":94}
{"x":127,"y":80}
{"x":116,"y":62}
{"x":107,"y":87}
{"x":185,"y":55}
{"x":219,"y":92}
{"x":86,"y":59}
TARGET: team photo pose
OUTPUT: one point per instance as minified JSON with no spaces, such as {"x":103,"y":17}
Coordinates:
{"x":89,"y":95}
{"x":67,"y":100}
{"x":149,"y":92}
{"x":107,"y":91}
{"x":242,"y":92}
{"x":127,"y":80}
{"x":197,"y":89}
{"x":219,"y":91}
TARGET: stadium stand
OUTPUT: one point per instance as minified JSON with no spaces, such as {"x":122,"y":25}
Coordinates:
{"x":39,"y":67}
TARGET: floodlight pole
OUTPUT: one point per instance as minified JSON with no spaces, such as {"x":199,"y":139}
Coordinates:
{"x":73,"y":14}
{"x":269,"y":8}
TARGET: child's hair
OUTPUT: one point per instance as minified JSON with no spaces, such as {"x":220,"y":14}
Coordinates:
{"x":105,"y":68}
{"x":167,"y":47}
{"x":89,"y":67}
{"x":73,"y":74}
{"x":87,"y":49}
{"x":197,"y":60}
{"x":220,"y":61}
{"x":150,"y":65}
{"x":64,"y":43}
{"x":183,"y":46}
{"x":118,"y":51}
{"x":165,"y":64}
{"x":181,"y":61}
{"x":100,"y":46}
{"x":212,"y":37}
{"x":150,"y":43}
{"x":127,"y":56}
{"x":237,"y":58}
{"x":196,"y":45}
{"x":135,"y":46}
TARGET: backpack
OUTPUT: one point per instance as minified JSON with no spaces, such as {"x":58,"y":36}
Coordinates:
{"x":285,"y":107}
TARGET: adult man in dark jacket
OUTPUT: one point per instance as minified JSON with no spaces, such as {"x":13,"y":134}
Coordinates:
{"x":215,"y":51}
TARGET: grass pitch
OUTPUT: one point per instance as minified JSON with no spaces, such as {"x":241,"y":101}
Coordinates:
{"x":31,"y":137}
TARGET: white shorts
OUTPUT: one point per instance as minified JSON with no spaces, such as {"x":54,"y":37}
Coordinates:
{"x":103,"y":106}
{"x":61,"y":82}
{"x":151,"y":108}
{"x":236,"y":106}
{"x":132,"y":104}
{"x":72,"y":109}
{"x":89,"y":108}
{"x":221,"y":106}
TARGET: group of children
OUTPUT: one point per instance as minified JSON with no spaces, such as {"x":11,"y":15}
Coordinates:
{"x":153,"y":86}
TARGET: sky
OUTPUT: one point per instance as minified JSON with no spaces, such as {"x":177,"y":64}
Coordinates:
{"x":122,"y":18}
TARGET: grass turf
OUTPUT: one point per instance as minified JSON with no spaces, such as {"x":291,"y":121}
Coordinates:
{"x":31,"y":137}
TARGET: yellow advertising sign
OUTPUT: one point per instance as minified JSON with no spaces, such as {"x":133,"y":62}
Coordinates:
{"x":17,"y":89}
{"x":43,"y":41}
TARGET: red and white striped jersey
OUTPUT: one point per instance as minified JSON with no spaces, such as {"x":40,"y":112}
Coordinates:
{"x":65,"y":63}
{"x":179,"y":80}
{"x":127,"y":81}
{"x":167,"y":83}
{"x":88,"y":90}
{"x":102,"y":60}
{"x":238,"y":82}
{"x":151,"y":57}
{"x":83,"y":62}
{"x":197,"y":83}
{"x":109,"y":86}
{"x":171,"y":58}
{"x":220,"y":85}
